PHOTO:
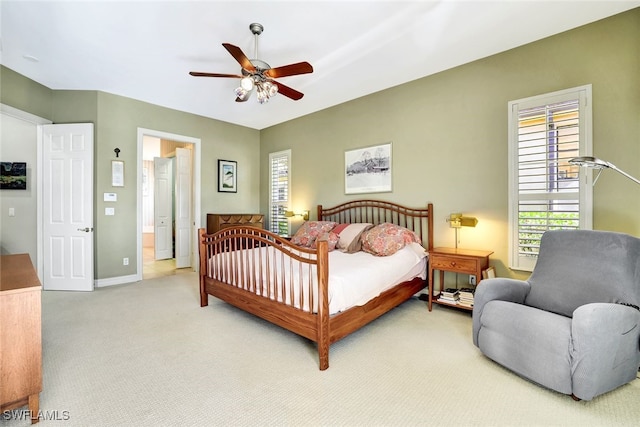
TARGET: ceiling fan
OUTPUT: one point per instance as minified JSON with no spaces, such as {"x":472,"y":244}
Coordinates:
{"x":259,"y":75}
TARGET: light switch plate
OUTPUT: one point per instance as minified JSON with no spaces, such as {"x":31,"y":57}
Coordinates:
{"x":109,"y":211}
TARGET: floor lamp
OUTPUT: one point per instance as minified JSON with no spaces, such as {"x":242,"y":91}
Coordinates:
{"x":595,"y":163}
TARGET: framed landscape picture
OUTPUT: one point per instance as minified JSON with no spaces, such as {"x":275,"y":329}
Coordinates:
{"x":368,"y":169}
{"x":227,"y":176}
{"x":13,"y":175}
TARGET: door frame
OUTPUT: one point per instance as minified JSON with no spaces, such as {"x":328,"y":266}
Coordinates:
{"x":38,"y":122}
{"x":195,"y":167}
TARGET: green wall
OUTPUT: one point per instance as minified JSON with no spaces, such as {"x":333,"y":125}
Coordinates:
{"x":117,"y":120}
{"x":449,"y":134}
{"x":25,"y":94}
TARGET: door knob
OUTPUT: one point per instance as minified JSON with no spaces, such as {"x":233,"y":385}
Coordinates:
{"x":86,"y":229}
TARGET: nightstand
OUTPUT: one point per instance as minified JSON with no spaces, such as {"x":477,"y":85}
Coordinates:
{"x":466,"y":261}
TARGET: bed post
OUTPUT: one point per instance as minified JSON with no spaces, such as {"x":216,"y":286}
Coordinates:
{"x":204,"y":298}
{"x":323,"y":304}
{"x":430,"y":226}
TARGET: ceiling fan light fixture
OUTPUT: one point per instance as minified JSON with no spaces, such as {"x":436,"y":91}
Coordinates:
{"x":241,"y":93}
{"x":262,"y":96}
{"x":246,"y":83}
{"x":271,"y":88}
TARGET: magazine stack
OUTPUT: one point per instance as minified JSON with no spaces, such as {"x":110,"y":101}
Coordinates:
{"x":466,"y":297}
{"x":450,"y":296}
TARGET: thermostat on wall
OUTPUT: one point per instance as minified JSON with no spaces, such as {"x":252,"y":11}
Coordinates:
{"x":110,"y":197}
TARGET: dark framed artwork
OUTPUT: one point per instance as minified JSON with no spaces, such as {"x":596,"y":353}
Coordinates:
{"x":227,"y":176}
{"x":13,"y":175}
{"x":368,"y":169}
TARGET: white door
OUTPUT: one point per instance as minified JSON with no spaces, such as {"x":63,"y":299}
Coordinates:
{"x":183,"y":207}
{"x":67,"y":211}
{"x":163,"y":208}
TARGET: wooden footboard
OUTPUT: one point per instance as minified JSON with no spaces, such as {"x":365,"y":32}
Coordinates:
{"x":287,"y":285}
{"x":265,"y":275}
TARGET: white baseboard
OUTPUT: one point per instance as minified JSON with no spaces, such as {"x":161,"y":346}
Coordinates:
{"x":100,"y":283}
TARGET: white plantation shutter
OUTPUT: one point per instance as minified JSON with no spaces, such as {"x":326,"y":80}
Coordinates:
{"x":546,"y":192}
{"x":279,"y":191}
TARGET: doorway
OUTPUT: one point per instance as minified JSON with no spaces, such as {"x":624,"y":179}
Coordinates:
{"x":167,"y":233}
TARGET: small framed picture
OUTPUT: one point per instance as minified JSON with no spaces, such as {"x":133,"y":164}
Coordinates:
{"x":489,"y":273}
{"x":227,"y":176}
{"x":117,"y":173}
{"x":13,"y":175}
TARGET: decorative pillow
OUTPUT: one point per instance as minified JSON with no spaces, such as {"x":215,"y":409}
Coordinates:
{"x":309,"y":232}
{"x":350,"y":236}
{"x":331,"y":238}
{"x":386,"y":239}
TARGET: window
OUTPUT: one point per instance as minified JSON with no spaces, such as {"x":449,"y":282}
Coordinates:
{"x":545,"y":191}
{"x":279,"y":191}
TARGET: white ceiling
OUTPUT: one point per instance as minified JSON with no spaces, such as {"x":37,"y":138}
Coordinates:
{"x":145,"y":49}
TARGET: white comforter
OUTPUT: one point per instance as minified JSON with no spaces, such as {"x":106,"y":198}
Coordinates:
{"x":354,"y":279}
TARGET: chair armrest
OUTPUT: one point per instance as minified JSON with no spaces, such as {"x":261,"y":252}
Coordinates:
{"x":605,"y":348}
{"x":503,"y":289}
{"x":499,"y":288}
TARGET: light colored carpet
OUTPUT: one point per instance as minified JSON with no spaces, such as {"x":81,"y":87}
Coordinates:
{"x":146,"y":354}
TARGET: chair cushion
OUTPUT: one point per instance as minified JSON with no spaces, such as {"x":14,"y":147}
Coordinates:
{"x":533,"y":343}
{"x":577,"y":267}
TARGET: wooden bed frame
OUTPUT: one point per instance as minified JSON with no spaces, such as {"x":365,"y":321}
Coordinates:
{"x":232,"y":279}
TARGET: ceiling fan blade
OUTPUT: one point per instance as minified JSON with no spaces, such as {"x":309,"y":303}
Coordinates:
{"x":199,"y":74}
{"x":289,"y":70}
{"x":287,"y":91}
{"x":242,"y":59}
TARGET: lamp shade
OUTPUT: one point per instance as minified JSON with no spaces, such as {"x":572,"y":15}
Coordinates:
{"x":590,"y":162}
{"x":246,"y":83}
{"x":595,"y":163}
{"x":304,"y":214}
{"x":456,"y":220}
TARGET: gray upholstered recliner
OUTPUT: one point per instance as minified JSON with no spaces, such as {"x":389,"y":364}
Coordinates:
{"x":574,"y":326}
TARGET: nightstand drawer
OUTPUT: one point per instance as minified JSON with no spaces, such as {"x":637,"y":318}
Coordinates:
{"x":454,"y":264}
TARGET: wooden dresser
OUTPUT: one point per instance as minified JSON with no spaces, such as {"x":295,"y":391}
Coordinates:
{"x":20,"y":335}
{"x":216,"y":222}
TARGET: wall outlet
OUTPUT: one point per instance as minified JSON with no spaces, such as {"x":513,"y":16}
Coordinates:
{"x":472,"y":280}
{"x":125,"y":261}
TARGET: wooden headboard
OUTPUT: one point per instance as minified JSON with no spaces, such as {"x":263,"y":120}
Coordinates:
{"x":419,"y":220}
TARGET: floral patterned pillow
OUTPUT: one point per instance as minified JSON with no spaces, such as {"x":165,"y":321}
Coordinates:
{"x":309,"y":232}
{"x":387,"y":239}
{"x":331,"y":238}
